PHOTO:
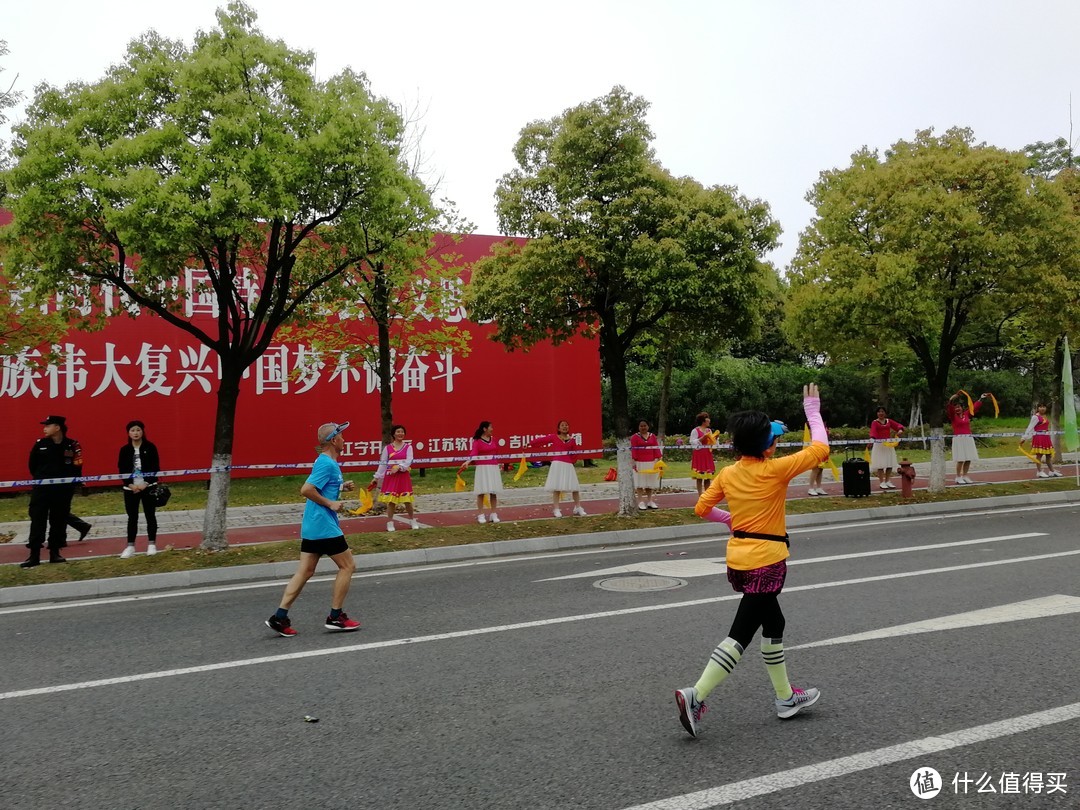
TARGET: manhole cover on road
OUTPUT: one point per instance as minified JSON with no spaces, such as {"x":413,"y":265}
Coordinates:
{"x":647,"y":583}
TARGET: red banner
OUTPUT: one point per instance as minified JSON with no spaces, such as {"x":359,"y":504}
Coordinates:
{"x":143,"y":368}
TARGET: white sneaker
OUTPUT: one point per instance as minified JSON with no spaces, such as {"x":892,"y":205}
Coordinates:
{"x":390,"y":527}
{"x":812,"y":492}
{"x":960,"y":480}
{"x":557,"y":512}
{"x":821,"y":492}
{"x":494,"y":518}
{"x":127,"y":553}
{"x":650,"y":504}
{"x":641,"y":505}
{"x":691,"y":710}
{"x":580,"y":511}
{"x":1041,"y":474}
{"x":800,"y":699}
{"x":414,"y":524}
{"x":480,"y":518}
{"x":1055,"y":474}
{"x":151,"y":550}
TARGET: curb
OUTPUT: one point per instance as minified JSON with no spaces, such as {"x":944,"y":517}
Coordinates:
{"x":282,"y":571}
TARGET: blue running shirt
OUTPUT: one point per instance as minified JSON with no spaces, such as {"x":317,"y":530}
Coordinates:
{"x":321,"y":523}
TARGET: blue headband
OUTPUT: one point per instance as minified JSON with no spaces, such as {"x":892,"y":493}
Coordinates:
{"x":776,"y":430}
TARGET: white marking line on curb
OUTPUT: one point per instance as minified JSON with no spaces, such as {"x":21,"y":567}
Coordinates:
{"x":844,"y":766}
{"x":482,"y":631}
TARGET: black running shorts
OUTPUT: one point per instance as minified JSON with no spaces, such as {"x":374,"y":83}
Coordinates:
{"x":329,"y":547}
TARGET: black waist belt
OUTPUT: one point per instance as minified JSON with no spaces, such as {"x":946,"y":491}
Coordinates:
{"x":762,"y":536}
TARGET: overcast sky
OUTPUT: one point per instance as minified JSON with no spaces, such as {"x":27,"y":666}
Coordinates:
{"x":755,"y":94}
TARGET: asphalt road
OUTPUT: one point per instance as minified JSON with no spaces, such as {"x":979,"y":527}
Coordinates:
{"x":518,"y":683}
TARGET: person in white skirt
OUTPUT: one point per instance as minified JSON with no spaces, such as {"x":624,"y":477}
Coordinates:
{"x":963,"y":444}
{"x":882,"y":457}
{"x":488,"y":481}
{"x":645,"y":450}
{"x":562,"y":477}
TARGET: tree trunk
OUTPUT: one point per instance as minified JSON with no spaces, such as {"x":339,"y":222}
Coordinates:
{"x":884,"y":381}
{"x":386,"y":382}
{"x":665,"y":392}
{"x":381,"y":309}
{"x":935,"y":418}
{"x":937,"y":459}
{"x":1055,"y":399}
{"x":614,"y":363}
{"x":217,"y":499}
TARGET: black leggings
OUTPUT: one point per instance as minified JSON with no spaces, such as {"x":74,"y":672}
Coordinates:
{"x":131,"y":506}
{"x":757,"y":610}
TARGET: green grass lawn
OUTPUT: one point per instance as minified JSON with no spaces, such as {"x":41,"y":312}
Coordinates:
{"x":183,"y":560}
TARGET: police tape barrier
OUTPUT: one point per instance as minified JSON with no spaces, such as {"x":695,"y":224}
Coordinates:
{"x":543,"y":454}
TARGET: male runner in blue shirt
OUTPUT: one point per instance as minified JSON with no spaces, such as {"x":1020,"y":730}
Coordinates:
{"x":320,"y":533}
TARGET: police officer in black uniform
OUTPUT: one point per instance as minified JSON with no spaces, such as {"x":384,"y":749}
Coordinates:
{"x":54,"y":456}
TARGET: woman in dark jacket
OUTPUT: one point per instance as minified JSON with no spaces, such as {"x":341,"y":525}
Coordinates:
{"x":140,"y":464}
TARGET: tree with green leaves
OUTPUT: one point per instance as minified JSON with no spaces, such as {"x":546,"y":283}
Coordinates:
{"x":216,"y":157}
{"x":1050,"y":158}
{"x":933,"y":251}
{"x":22,"y":326}
{"x":408,"y":291}
{"x":616,"y":245}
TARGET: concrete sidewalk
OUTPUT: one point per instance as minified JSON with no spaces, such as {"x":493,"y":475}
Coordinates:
{"x":288,"y":515}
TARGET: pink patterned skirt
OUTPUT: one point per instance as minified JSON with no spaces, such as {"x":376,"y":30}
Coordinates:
{"x":769,"y":579}
{"x":396,"y":488}
{"x":1040,"y":443}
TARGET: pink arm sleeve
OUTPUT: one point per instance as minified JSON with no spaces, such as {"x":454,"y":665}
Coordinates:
{"x":718,"y":515}
{"x":812,"y":408}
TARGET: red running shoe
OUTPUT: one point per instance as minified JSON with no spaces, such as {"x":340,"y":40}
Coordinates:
{"x":341,"y":623}
{"x":283,"y":627}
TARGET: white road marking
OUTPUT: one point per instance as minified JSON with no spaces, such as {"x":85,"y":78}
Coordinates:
{"x":681,"y":568}
{"x":1057,"y":605}
{"x":481,"y":631}
{"x":666,"y":544}
{"x":844,"y":766}
{"x":715,"y":565}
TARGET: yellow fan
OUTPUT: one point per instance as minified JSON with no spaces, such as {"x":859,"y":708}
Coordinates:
{"x":709,"y":439}
{"x":365,"y":503}
{"x":891,"y":443}
{"x":656,"y":469}
{"x":523,"y":468}
{"x":459,"y":483}
{"x":997,"y":410}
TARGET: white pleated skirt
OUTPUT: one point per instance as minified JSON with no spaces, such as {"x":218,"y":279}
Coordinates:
{"x":562,"y":477}
{"x":488,"y":481}
{"x":645,"y":480}
{"x":963,"y":448}
{"x":882,"y":457}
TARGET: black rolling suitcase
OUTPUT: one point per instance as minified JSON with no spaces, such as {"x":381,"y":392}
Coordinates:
{"x":856,"y":474}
